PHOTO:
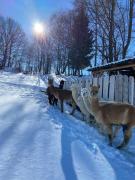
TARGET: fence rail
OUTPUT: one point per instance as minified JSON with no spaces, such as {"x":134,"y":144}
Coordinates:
{"x":120,"y":88}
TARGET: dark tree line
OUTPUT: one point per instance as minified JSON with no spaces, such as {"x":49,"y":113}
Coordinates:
{"x":73,"y":39}
{"x":81,"y":50}
{"x":93,"y":32}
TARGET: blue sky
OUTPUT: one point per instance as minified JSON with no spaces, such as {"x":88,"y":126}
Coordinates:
{"x":26,"y":12}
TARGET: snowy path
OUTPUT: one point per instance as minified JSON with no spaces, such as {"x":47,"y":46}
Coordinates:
{"x":37,"y":142}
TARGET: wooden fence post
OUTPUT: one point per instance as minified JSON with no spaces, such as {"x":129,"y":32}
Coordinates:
{"x":111,"y":88}
{"x":118,"y":88}
{"x":131,"y":90}
{"x":88,"y":83}
{"x":125,"y":89}
{"x":105,"y":87}
{"x":95,"y":81}
{"x":100,"y":82}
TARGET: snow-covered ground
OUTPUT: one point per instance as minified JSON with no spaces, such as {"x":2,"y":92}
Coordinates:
{"x":38,"y":142}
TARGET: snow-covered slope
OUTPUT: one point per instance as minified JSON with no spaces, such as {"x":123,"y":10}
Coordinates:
{"x":38,"y":142}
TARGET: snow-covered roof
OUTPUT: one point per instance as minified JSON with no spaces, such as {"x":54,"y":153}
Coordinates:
{"x":124,"y":63}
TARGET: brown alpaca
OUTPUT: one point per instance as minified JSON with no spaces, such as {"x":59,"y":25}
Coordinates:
{"x":62,"y":95}
{"x":113,"y":114}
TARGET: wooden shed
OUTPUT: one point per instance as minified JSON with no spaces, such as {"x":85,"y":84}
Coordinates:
{"x":124,"y":67}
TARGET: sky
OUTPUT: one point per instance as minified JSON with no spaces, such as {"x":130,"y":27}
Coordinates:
{"x":26,"y":12}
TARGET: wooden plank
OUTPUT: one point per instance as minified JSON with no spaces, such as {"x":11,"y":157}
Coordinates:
{"x":111,"y":88}
{"x":100,"y":82}
{"x":125,"y":89}
{"x":131,"y":90}
{"x":66,"y":84}
{"x":88,"y":83}
{"x":80,"y":84}
{"x":91,"y":80}
{"x":83,"y":83}
{"x":105,"y":87}
{"x":118,"y":88}
{"x":95,"y":81}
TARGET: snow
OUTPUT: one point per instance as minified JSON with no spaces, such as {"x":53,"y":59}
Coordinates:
{"x":38,"y":142}
{"x":112,"y":63}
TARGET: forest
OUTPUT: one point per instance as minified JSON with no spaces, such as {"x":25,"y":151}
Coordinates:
{"x":91,"y":33}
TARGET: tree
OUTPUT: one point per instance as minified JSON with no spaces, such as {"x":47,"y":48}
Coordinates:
{"x":81,"y":50}
{"x":61,"y":40}
{"x":39,"y":57}
{"x":129,"y":27}
{"x":12,"y":43}
{"x":112,"y":24}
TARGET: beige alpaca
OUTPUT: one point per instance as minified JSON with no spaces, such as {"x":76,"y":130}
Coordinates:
{"x":113,"y":114}
{"x":87,"y":99}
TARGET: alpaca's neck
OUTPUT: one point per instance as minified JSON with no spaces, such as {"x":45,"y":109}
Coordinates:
{"x":95,"y":105}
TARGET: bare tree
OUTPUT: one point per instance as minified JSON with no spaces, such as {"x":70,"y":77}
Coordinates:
{"x":61,"y":38}
{"x":39,"y":56}
{"x":112,"y":22}
{"x":12,"y":43}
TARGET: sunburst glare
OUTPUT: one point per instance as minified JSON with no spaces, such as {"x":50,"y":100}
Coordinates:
{"x":38,"y":28}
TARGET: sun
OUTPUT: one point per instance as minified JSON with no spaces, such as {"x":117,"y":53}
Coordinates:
{"x":38,"y":28}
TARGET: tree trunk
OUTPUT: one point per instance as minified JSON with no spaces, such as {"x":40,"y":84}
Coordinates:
{"x":130,"y":24}
{"x":111,"y":31}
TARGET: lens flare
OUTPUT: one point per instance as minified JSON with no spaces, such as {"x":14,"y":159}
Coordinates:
{"x":38,"y":28}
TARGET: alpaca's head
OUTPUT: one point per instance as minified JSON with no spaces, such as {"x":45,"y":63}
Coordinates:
{"x":50,"y":82}
{"x":94,"y":90}
{"x":85,"y":92}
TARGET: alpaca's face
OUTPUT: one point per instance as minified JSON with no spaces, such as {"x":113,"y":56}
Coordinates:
{"x":94,"y":90}
{"x":84,"y":92}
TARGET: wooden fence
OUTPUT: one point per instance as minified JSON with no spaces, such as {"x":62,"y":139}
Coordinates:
{"x":120,"y":88}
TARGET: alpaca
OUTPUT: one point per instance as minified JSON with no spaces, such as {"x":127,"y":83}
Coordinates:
{"x":113,"y":114}
{"x":62,"y":95}
{"x":79,"y":100}
{"x":86,"y":99}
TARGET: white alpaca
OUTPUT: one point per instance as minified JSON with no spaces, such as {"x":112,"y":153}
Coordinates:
{"x":86,"y":99}
{"x":75,"y":92}
{"x":79,"y":100}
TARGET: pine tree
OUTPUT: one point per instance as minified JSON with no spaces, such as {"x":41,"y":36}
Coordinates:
{"x":82,"y":38}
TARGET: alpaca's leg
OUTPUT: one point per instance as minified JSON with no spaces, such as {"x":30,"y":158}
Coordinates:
{"x":55,"y":101}
{"x":73,"y":106}
{"x":116,"y":130}
{"x":61,"y":105}
{"x":50,"y":99}
{"x":73,"y":110}
{"x":127,"y":135}
{"x":110,"y":134}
